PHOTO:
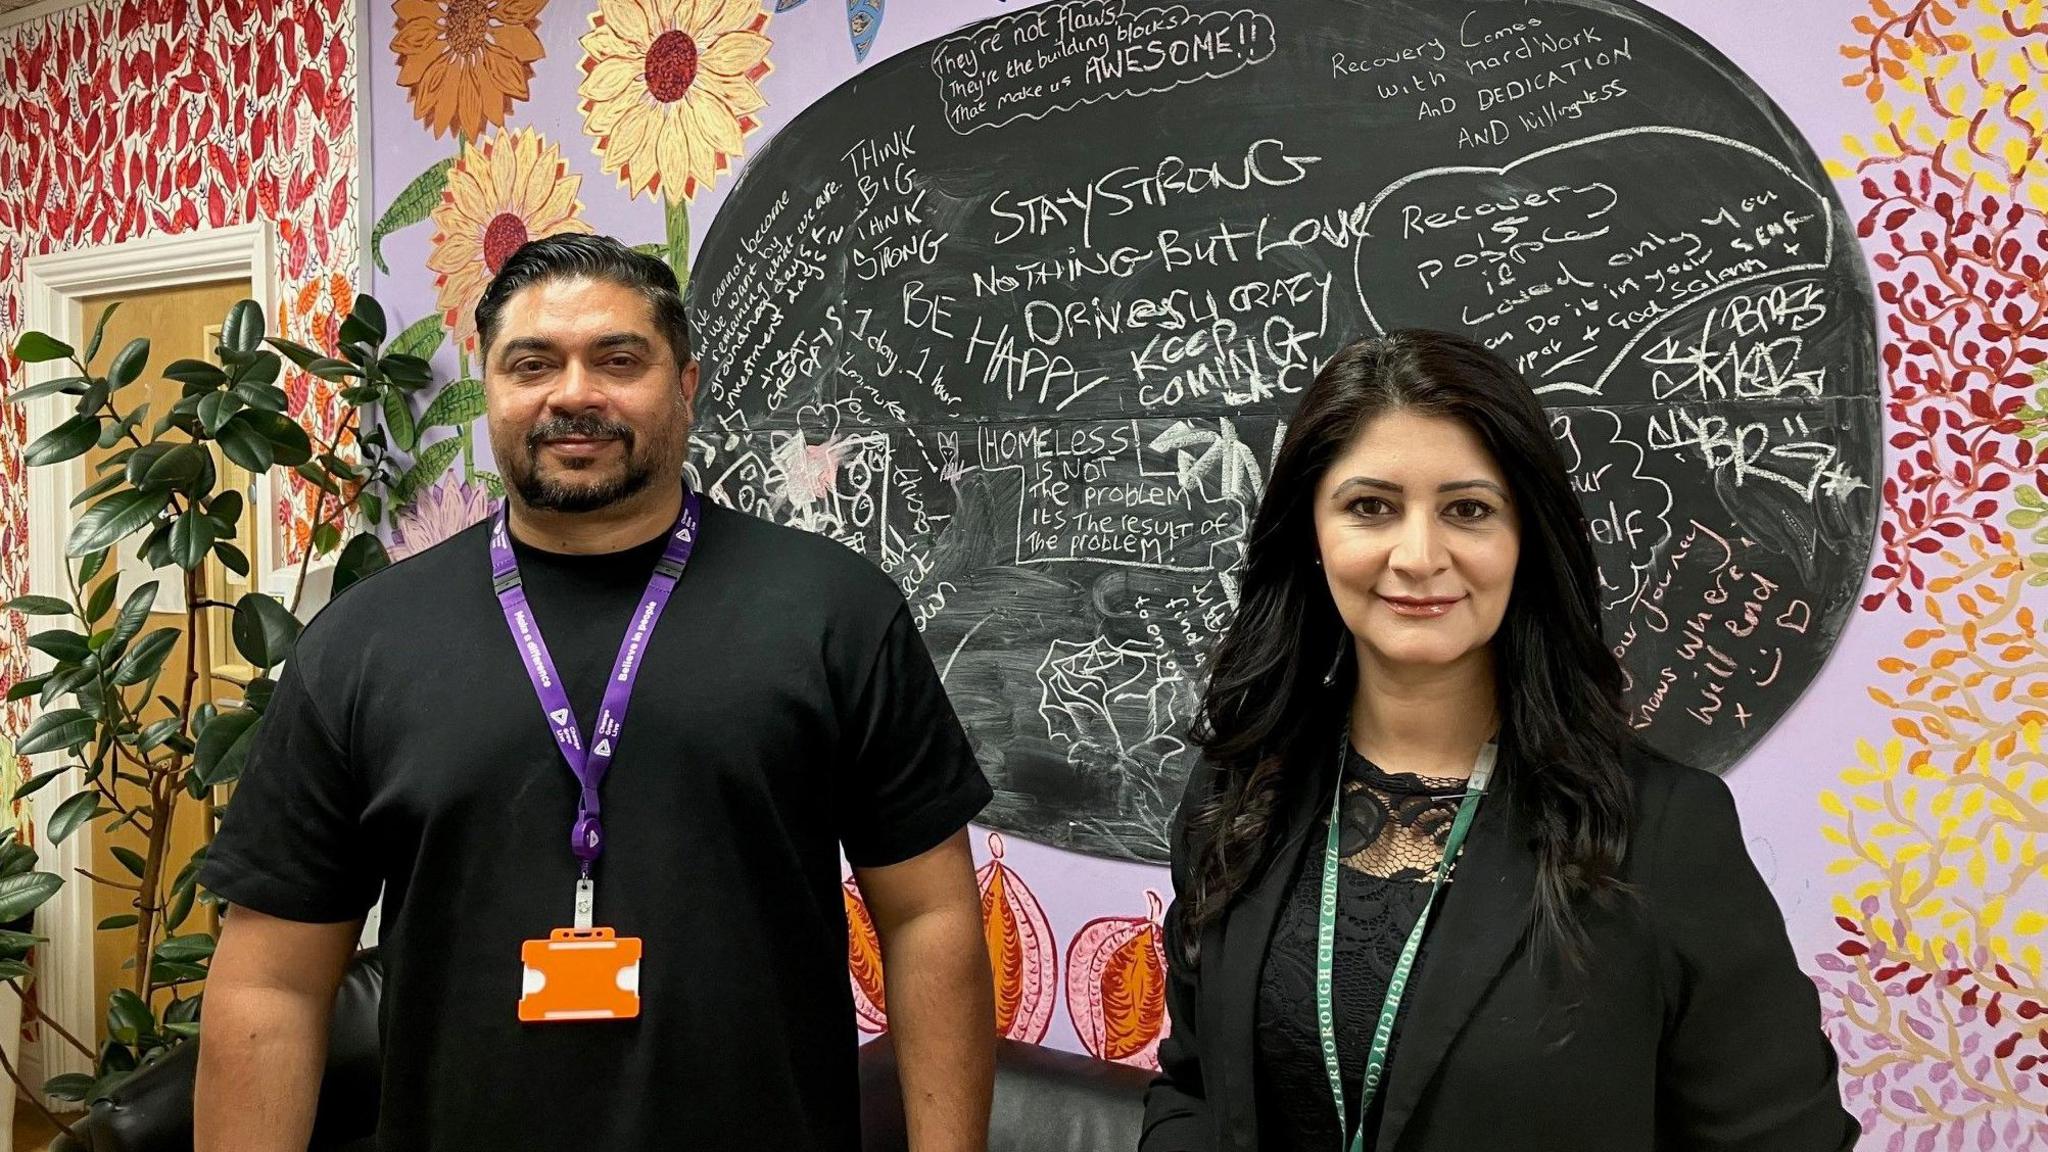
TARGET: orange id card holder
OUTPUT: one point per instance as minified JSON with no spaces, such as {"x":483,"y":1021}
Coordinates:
{"x":580,"y":974}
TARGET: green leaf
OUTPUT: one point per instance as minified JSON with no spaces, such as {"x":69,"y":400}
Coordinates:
{"x":63,"y":728}
{"x":432,"y":461}
{"x":264,"y":631}
{"x":23,"y":689}
{"x":216,"y":409}
{"x":186,"y":1029}
{"x":130,"y":859}
{"x":245,"y":443}
{"x":102,"y":598}
{"x":70,"y":1086}
{"x":143,"y":660}
{"x":233,"y":557}
{"x":226,"y":507}
{"x":242,"y":331}
{"x":2025,"y":518}
{"x":69,"y":440}
{"x":36,"y":348}
{"x":224,"y":746}
{"x":182,"y":1011}
{"x":38,"y":606}
{"x":398,"y":418}
{"x":73,"y":385}
{"x":328,"y":368}
{"x":155,"y":736}
{"x":317,"y":476}
{"x":260,"y":375}
{"x":24,"y":893}
{"x":289,"y":444}
{"x":196,"y":372}
{"x":365,"y":323}
{"x":62,"y":644}
{"x":128,"y":1018}
{"x":412,"y":206}
{"x":181,"y":907}
{"x":192,"y":536}
{"x":408,"y":372}
{"x":117,"y":516}
{"x":99,"y":331}
{"x":126,"y":425}
{"x":99,"y":488}
{"x":116,"y":923}
{"x":363,"y":555}
{"x":185,"y":949}
{"x":134,"y":612}
{"x":15,"y":970}
{"x":91,"y":566}
{"x":459,"y":403}
{"x":326,"y":537}
{"x":422,"y":338}
{"x":89,"y":403}
{"x":72,"y":815}
{"x":298,"y":354}
{"x":17,"y":942}
{"x":372,"y":507}
{"x":35,"y":783}
{"x":128,"y":363}
{"x":186,"y":468}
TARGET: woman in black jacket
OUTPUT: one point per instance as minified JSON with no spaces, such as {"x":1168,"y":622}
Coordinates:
{"x":1417,"y":650}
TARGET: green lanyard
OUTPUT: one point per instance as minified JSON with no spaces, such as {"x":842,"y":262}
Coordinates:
{"x":1326,"y":943}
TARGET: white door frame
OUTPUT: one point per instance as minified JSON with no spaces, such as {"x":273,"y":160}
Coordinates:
{"x":53,"y":287}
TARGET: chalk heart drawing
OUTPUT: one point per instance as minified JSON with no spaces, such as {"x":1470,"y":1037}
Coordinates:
{"x":1021,"y":949}
{"x":1507,"y":253}
{"x":1116,"y":986}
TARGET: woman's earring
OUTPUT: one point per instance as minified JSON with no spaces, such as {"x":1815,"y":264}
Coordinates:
{"x":1330,"y":677}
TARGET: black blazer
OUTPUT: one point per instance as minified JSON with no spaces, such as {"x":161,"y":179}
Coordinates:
{"x":1694,"y":1029}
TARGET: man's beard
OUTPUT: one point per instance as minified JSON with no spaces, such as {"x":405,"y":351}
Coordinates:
{"x":552,"y":493}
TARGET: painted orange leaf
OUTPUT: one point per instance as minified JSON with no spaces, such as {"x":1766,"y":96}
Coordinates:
{"x":864,"y":963}
{"x":1020,"y":949}
{"x":1116,"y":986}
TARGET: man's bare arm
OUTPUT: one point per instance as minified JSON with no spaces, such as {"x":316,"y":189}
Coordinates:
{"x":269,"y":997}
{"x":941,"y":996}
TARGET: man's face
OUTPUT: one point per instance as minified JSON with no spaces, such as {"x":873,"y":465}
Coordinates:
{"x":586,"y":402}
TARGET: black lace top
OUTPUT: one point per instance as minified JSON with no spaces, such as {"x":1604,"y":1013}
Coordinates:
{"x":1392,"y":835}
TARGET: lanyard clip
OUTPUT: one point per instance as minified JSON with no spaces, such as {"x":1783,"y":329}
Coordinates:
{"x":586,"y":900}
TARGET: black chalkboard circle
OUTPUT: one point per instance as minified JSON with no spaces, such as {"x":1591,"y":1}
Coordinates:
{"x":1020,"y":315}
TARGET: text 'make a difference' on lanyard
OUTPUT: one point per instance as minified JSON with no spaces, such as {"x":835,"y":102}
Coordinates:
{"x":1397,"y":984}
{"x":589,"y":760}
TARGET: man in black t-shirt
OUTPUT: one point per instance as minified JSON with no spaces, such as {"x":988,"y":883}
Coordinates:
{"x":672,"y":975}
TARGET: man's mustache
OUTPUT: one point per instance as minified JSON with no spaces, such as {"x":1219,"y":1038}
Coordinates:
{"x":577,"y":428}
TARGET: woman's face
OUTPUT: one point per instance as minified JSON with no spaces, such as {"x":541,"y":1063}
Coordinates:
{"x":1418,"y":540}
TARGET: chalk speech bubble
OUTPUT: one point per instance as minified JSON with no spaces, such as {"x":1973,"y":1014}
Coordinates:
{"x":1566,"y":259}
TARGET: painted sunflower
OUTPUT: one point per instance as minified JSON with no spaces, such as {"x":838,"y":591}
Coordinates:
{"x":465,"y":62}
{"x":668,"y":89}
{"x":502,"y":192}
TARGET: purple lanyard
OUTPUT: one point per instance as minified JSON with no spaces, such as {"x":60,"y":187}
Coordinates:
{"x":586,"y":838}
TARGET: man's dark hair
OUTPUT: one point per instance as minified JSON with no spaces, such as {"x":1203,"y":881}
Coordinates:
{"x":574,"y":256}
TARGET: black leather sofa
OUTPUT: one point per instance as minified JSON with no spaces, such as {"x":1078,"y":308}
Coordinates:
{"x":1046,"y":1101}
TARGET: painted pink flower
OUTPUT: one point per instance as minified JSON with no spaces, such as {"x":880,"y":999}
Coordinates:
{"x":440,"y":512}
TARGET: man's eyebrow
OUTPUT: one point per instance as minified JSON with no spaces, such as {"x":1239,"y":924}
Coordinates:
{"x":522,"y":345}
{"x":631,"y":341}
{"x":609,"y":342}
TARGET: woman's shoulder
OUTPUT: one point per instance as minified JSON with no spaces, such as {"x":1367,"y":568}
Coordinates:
{"x":1681,"y":811}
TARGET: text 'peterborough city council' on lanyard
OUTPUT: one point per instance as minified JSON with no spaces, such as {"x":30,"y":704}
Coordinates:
{"x":1397,"y":984}
{"x":589,"y":759}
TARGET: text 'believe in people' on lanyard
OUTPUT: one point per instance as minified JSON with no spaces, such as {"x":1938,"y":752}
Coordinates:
{"x":589,"y":760}
{"x":1397,"y":984}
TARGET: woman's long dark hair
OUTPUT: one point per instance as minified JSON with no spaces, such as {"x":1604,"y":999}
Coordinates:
{"x":1268,"y":721}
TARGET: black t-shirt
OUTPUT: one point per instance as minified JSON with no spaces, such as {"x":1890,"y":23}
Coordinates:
{"x":786,"y":708}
